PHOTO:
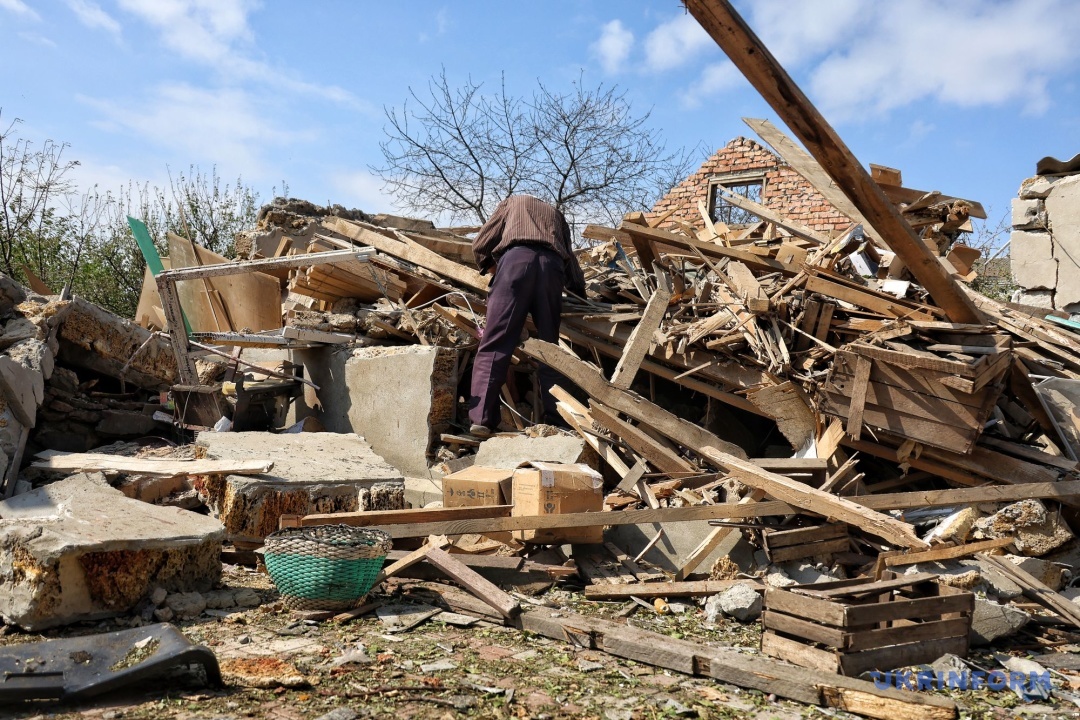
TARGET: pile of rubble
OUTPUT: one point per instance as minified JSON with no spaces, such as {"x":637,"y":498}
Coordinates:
{"x":808,"y":420}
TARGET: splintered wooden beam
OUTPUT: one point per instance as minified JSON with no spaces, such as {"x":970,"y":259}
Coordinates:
{"x":409,"y":251}
{"x":593,"y":383}
{"x":765,"y":213}
{"x":765,"y":73}
{"x":696,"y":588}
{"x":637,"y":347}
{"x":699,"y":440}
{"x":808,"y":498}
{"x":472,"y":581}
{"x":813,"y":687}
{"x":662,"y":458}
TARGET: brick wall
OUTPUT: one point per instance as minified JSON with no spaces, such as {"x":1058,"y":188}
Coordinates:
{"x":785,"y":190}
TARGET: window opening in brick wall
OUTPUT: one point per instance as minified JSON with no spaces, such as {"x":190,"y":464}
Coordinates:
{"x":750,"y":186}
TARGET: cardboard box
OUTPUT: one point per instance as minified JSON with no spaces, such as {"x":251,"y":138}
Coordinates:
{"x":557,"y":489}
{"x":478,"y":486}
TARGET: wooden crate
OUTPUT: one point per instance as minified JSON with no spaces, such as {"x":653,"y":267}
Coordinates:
{"x":785,"y":545}
{"x":939,"y":402}
{"x":851,"y":626}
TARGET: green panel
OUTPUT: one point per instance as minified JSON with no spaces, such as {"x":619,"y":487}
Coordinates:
{"x":146,"y":245}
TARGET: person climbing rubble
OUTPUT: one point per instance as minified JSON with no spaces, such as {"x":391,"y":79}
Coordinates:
{"x":526,"y":245}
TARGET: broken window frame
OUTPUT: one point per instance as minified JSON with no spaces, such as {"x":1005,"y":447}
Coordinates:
{"x":750,"y":185}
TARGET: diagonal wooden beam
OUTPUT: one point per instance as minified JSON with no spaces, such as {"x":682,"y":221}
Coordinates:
{"x":765,"y":73}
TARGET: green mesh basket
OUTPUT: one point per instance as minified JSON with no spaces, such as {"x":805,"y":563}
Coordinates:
{"x":327,"y":567}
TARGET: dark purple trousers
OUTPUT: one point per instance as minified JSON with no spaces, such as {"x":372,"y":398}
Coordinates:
{"x":528,"y":281}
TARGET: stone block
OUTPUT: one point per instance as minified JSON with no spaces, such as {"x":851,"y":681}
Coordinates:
{"x":1036,"y":188}
{"x":313,"y":473}
{"x":1036,"y":298}
{"x":512,"y":451}
{"x":1033,"y":262}
{"x":1035,"y":531}
{"x":79,"y":550}
{"x":400,"y":399}
{"x":992,"y":621}
{"x":1063,"y":218}
{"x":1027,"y":215}
{"x":741,"y":601}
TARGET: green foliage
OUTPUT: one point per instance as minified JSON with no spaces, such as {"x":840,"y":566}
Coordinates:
{"x":66,"y":237}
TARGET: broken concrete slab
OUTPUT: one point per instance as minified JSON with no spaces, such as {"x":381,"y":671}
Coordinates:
{"x":78,"y":549}
{"x":399,"y":398}
{"x":1035,"y":530}
{"x":1027,"y":214}
{"x":992,"y":621}
{"x":1034,"y":264}
{"x":1063,"y":217}
{"x":508,"y":452}
{"x":1036,"y":187}
{"x":313,"y":473}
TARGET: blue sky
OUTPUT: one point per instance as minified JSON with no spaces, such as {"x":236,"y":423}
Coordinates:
{"x":963,"y":96}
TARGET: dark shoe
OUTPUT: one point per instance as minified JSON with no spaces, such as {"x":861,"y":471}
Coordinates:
{"x":480,"y":431}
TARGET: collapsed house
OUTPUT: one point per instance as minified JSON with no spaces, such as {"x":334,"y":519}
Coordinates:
{"x":778,"y":399}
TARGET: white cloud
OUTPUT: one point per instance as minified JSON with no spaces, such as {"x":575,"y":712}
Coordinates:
{"x":227,"y":127}
{"x":19,"y":8}
{"x":714,"y":79}
{"x":674,"y":43}
{"x":361,"y":189}
{"x":92,"y":16}
{"x":36,"y":38}
{"x":216,"y":33}
{"x":1007,"y":52}
{"x":796,"y":32}
{"x":613,"y":46}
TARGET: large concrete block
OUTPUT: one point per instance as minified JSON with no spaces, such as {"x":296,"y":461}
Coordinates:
{"x":514,"y":450}
{"x":400,"y":399}
{"x":313,"y":473}
{"x":678,"y":541}
{"x":1063,"y":217}
{"x":1027,"y":214}
{"x":78,"y":550}
{"x":1033,"y":261}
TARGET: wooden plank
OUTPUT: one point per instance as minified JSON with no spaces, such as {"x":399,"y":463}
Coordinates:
{"x":805,"y":629}
{"x":374,"y":518}
{"x":226,"y":267}
{"x":1036,"y":590}
{"x":730,"y":666}
{"x":912,"y":360}
{"x":412,"y":558}
{"x":897,"y":656}
{"x":411,"y":252}
{"x":917,"y":609}
{"x":474,"y":582}
{"x":810,"y":549}
{"x":948,"y":553}
{"x":860,"y":586}
{"x":810,"y":608}
{"x":163,"y":467}
{"x":481,"y":523}
{"x":686,"y":244}
{"x":748,"y":287}
{"x":925,"y":382}
{"x":787,"y":405}
{"x":864,"y":298}
{"x":750,"y":55}
{"x":912,"y":403}
{"x":800,"y":654}
{"x":178,"y":334}
{"x":903,"y":634}
{"x":699,"y":588}
{"x":593,"y":383}
{"x":808,"y":498}
{"x":768,"y":214}
{"x":857,"y":403}
{"x":661,"y":457}
{"x":637,"y":347}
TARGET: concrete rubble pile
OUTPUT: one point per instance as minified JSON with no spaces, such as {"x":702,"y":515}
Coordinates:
{"x":805,"y":403}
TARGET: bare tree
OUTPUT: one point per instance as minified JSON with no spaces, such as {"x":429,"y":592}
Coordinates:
{"x":458,"y":153}
{"x":32,"y":182}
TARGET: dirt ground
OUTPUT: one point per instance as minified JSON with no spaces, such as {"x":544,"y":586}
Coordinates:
{"x":359,"y":670}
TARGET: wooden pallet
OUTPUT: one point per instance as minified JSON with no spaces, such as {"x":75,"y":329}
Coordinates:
{"x":851,"y":626}
{"x":937,"y":402}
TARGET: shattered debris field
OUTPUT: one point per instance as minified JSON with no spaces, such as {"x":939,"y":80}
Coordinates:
{"x":802,"y":465}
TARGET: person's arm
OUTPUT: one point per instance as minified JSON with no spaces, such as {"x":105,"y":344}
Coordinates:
{"x":575,"y":278}
{"x":488,"y":238}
